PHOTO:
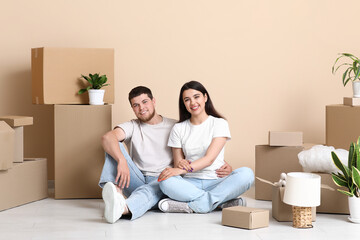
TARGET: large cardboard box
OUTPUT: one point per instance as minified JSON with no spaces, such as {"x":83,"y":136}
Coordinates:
{"x":270,"y":162}
{"x":56,"y":74}
{"x":280,"y":138}
{"x":7,"y":146}
{"x":342,"y":126}
{"x":281,"y":211}
{"x":245,"y":217}
{"x":23,"y":183}
{"x":332,"y":201}
{"x":17,"y":121}
{"x":79,"y":155}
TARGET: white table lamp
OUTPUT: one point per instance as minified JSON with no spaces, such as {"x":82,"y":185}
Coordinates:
{"x":302,"y":191}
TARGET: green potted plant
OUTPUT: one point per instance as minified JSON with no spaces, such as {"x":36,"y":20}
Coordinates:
{"x":96,"y":94}
{"x":349,"y":178}
{"x":352,"y":71}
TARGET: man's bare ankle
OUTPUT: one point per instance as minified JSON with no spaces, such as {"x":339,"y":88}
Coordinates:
{"x":118,"y":189}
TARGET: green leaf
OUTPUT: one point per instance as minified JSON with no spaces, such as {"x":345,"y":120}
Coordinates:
{"x":344,"y":76}
{"x":356,"y":176}
{"x":81,"y":91}
{"x":339,"y":181}
{"x":351,"y":154}
{"x":356,"y":159}
{"x":344,"y":64}
{"x":339,"y":164}
{"x":346,"y":193}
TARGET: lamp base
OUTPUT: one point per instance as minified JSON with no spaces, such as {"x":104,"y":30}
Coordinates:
{"x":302,"y":217}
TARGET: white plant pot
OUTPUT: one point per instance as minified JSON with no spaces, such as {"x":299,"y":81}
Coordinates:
{"x":96,"y":96}
{"x":356,"y":89}
{"x":354,"y":207}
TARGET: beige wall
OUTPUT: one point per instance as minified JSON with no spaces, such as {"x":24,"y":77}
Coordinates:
{"x":267,"y":64}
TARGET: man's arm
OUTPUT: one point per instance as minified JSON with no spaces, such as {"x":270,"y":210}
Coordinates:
{"x":110,"y":143}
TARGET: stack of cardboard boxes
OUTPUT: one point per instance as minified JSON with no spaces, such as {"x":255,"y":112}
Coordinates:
{"x":281,"y":156}
{"x":77,"y":153}
{"x":21,"y":180}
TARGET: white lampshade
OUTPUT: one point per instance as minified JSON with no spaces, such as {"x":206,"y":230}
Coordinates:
{"x":302,"y":189}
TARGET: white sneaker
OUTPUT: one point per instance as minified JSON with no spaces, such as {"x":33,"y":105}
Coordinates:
{"x":168,"y":205}
{"x":114,"y":203}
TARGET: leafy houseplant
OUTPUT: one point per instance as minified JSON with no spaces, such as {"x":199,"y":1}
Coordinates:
{"x":96,"y":95}
{"x":352,"y":71}
{"x":350,"y":176}
{"x":96,"y":82}
{"x":350,"y":179}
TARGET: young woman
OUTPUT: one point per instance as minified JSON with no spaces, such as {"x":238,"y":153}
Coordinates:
{"x":197,"y":143}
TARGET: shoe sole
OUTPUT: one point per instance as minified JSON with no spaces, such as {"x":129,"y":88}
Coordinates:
{"x":161,"y":202}
{"x":113,"y":205}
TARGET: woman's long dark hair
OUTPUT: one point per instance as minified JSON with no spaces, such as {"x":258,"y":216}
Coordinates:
{"x":209,"y":107}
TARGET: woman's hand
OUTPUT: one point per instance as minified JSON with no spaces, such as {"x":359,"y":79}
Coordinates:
{"x":169,"y":172}
{"x":185,"y":165}
{"x":224,"y":170}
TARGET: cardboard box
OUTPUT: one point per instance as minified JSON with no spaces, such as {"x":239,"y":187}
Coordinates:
{"x":270,"y":162}
{"x":342,"y":126}
{"x":281,"y":211}
{"x":351,"y":101}
{"x":17,"y":121}
{"x":79,"y":156}
{"x":56,"y":74}
{"x":332,"y":201}
{"x":19,"y":145}
{"x":23,"y":183}
{"x":245,"y":217}
{"x":285,"y":138}
{"x":7,"y":146}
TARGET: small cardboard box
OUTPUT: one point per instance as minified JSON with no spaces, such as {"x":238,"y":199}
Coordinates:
{"x":78,"y":153}
{"x":270,"y":162}
{"x":351,"y":101}
{"x":17,"y":121}
{"x":7,"y":146}
{"x":23,"y":183}
{"x":278,"y":138}
{"x":56,"y":74}
{"x":332,"y":201}
{"x":342,"y":126}
{"x":281,"y":211}
{"x":245,"y":217}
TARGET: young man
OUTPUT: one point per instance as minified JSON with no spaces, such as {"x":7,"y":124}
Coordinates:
{"x":135,"y":174}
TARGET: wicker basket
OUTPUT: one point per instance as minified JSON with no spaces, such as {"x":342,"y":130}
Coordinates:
{"x":302,"y":217}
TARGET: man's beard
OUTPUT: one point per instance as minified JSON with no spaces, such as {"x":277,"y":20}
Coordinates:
{"x":146,"y":119}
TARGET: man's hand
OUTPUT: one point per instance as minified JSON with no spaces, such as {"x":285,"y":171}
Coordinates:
{"x":224,"y":170}
{"x":169,"y":172}
{"x":123,"y":175}
{"x":185,"y":165}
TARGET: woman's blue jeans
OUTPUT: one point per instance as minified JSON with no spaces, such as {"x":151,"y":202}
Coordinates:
{"x":204,"y":195}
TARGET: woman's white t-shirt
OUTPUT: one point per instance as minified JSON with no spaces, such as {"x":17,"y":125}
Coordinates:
{"x":196,"y":139}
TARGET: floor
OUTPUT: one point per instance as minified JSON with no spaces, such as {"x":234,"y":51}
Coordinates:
{"x":82,"y":219}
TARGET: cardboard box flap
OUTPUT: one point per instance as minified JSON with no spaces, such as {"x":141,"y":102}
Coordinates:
{"x":17,"y":121}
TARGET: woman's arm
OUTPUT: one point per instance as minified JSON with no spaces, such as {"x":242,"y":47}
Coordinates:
{"x":212,"y":152}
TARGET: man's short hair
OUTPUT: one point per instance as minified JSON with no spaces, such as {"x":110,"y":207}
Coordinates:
{"x":137,"y":91}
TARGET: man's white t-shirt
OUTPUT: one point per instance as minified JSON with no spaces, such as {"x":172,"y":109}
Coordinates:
{"x":147,"y":145}
{"x":195,"y":140}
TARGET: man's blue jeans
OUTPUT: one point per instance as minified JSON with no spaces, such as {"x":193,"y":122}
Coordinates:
{"x":143,"y":192}
{"x":204,"y":195}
